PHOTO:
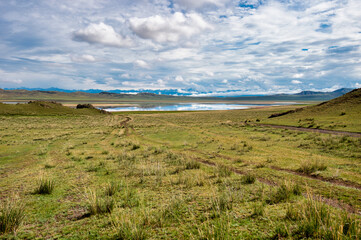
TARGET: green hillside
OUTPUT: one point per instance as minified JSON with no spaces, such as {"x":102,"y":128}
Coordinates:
{"x":342,"y":113}
{"x":43,"y":108}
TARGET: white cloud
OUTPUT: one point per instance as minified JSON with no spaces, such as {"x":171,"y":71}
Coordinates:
{"x":102,"y":34}
{"x":180,"y":54}
{"x":179,"y":78}
{"x":125,"y":75}
{"x":83,"y":58}
{"x":298,"y":75}
{"x":194,"y":4}
{"x":175,"y":28}
{"x":357,"y":85}
{"x":17,"y":81}
{"x":296,"y":82}
{"x":209,"y":73}
{"x":141,"y":64}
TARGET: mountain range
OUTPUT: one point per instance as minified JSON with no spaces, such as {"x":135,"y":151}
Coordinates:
{"x":154,"y":95}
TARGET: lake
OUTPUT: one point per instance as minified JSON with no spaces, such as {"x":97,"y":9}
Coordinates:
{"x":191,"y":107}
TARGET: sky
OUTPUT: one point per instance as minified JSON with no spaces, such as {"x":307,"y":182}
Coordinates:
{"x":203,"y":47}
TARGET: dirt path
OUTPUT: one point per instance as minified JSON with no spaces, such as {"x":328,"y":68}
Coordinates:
{"x":334,"y":132}
{"x":331,"y":202}
{"x":335,"y":181}
{"x":125,"y":122}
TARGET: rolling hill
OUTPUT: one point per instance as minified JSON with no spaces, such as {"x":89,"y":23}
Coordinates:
{"x":43,"y":108}
{"x":342,"y":113}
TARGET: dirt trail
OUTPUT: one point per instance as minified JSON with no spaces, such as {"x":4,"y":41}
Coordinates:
{"x":328,"y":201}
{"x":334,"y":132}
{"x":124,"y":123}
{"x":335,"y":181}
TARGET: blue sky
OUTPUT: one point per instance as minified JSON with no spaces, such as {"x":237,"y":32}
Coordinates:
{"x":246,"y":46}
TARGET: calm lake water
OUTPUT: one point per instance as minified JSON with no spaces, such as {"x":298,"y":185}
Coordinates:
{"x":191,"y":107}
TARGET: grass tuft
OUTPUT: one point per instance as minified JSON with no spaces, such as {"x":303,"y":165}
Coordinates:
{"x":129,"y":227}
{"x":112,"y":188}
{"x":98,"y":205}
{"x":309,"y":168}
{"x":248,"y":179}
{"x":223,"y":171}
{"x":283,"y":193}
{"x":191,"y":164}
{"x":45,"y":186}
{"x":258,"y":209}
{"x":11,"y":216}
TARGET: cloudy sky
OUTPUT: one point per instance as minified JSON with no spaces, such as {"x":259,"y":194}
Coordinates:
{"x":243,"y":46}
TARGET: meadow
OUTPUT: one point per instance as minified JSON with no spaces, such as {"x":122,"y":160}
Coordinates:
{"x":177,"y":175}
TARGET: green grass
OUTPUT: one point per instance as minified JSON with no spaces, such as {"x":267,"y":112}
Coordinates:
{"x":43,"y":108}
{"x":185,"y":181}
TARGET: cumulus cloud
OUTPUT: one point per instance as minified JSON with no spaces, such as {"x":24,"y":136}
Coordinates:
{"x":298,"y":75}
{"x":296,"y":82}
{"x":141,"y":64}
{"x":175,"y":28}
{"x":179,"y":78}
{"x":259,"y":46}
{"x":101,"y":34}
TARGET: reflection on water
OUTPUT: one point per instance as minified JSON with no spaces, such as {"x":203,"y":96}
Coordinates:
{"x":189,"y":107}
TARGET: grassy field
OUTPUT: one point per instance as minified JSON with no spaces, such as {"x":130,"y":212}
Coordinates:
{"x":185,"y":175}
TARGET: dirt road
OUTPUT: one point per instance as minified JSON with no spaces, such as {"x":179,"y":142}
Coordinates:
{"x":334,"y":132}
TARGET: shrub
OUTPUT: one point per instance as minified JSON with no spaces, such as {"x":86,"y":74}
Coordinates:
{"x":11,"y":216}
{"x":45,"y":186}
{"x":87,"y":105}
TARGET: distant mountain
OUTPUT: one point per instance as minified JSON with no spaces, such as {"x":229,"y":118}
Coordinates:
{"x":174,"y":92}
{"x":311,"y":95}
{"x":154,"y":95}
{"x":339,"y":92}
